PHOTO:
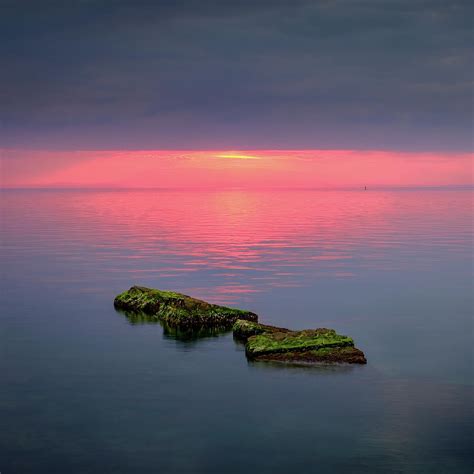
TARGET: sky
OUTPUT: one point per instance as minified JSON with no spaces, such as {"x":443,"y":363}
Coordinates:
{"x":214,"y":169}
{"x":86,"y":80}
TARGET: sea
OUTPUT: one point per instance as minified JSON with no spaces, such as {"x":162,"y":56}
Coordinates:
{"x":84,"y":389}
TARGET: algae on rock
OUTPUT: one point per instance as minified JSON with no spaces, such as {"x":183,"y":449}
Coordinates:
{"x":178,"y":309}
{"x":189,"y":318}
{"x":309,"y":346}
{"x":244,"y":329}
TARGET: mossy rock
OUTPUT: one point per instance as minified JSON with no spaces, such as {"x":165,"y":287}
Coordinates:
{"x":178,"y":309}
{"x":307,"y":346}
{"x":243,"y":329}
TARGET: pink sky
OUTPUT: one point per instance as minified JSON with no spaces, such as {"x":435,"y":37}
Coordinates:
{"x":232,"y":168}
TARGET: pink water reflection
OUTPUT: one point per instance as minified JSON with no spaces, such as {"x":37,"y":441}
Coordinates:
{"x":235,"y":242}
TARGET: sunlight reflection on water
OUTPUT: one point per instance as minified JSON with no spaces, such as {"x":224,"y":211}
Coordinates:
{"x":245,"y":242}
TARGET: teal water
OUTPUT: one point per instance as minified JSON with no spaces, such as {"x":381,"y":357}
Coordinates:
{"x":84,"y":390}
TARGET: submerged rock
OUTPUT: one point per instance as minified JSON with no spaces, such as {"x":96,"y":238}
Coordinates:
{"x":308,"y":346}
{"x":178,"y":309}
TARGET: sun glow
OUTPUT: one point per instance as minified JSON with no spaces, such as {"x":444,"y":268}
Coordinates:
{"x":238,"y":157}
{"x":229,"y":169}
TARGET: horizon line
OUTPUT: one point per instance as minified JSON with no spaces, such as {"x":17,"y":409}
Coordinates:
{"x":237,"y":188}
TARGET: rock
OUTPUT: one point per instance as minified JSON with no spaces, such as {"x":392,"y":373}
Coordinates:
{"x":308,"y":346}
{"x":335,"y":355}
{"x":187,"y":319}
{"x":179,"y":310}
{"x":244,"y":329}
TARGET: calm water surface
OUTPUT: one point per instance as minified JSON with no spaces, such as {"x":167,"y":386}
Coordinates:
{"x":84,"y":390}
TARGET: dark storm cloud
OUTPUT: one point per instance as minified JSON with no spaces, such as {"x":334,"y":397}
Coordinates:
{"x":209,"y":73}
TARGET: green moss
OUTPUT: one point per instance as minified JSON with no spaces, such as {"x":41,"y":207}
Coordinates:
{"x":178,"y":309}
{"x":243,"y":329}
{"x":188,"y":318}
{"x":295,"y":341}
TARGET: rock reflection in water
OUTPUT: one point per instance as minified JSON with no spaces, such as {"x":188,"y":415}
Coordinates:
{"x":178,"y":333}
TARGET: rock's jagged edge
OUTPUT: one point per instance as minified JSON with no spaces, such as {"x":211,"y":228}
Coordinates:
{"x":179,"y":310}
{"x":308,"y":346}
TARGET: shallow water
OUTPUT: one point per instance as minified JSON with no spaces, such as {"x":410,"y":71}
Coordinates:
{"x":86,"y":390}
